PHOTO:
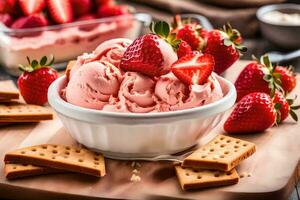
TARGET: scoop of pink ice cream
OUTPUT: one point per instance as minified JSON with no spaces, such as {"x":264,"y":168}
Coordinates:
{"x":92,"y":85}
{"x":171,"y":90}
{"x":135,"y":95}
{"x":178,"y":96}
{"x":110,"y":51}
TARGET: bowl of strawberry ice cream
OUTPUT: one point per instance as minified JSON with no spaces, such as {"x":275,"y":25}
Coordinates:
{"x":131,"y":99}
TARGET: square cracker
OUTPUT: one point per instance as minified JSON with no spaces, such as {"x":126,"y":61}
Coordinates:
{"x":222,"y":153}
{"x":8,"y":90}
{"x":15,"y":171}
{"x":197,"y":178}
{"x":61,"y":157}
{"x":18,"y":112}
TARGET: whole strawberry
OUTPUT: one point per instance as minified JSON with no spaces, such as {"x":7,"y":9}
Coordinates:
{"x":184,"y":49}
{"x":254,"y":113}
{"x":190,"y":32}
{"x":225,"y":46}
{"x":151,"y":54}
{"x":257,"y":77}
{"x":35,"y":80}
{"x":287,"y":77}
{"x":6,"y":19}
{"x":285,"y":107}
{"x":32,"y":21}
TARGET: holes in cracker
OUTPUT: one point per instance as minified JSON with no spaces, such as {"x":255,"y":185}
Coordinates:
{"x":216,"y":142}
{"x":44,"y":147}
{"x":96,"y":159}
{"x":34,"y":149}
{"x":236,"y":146}
{"x":54,"y":151}
{"x":187,"y":174}
{"x":244,"y":145}
{"x":67,"y":153}
{"x":203,"y":156}
{"x":23,"y":152}
{"x":42,"y":154}
{"x":237,"y":141}
{"x":14,"y":167}
{"x":68,"y":148}
{"x":222,"y":145}
{"x":211,"y":150}
{"x":228,"y":141}
{"x":228,"y":173}
{"x":53,"y":157}
{"x":199,"y":177}
{"x":196,"y":170}
{"x":216,"y":174}
{"x":77,"y":150}
{"x":226,"y":152}
{"x":55,"y":146}
{"x":222,"y":138}
{"x":80,"y":160}
{"x":96,"y":163}
{"x":222,"y":156}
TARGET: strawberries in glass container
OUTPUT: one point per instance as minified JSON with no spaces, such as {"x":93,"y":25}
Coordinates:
{"x":16,"y":13}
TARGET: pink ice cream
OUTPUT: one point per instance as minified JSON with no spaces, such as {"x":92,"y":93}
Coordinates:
{"x":93,"y":84}
{"x":110,"y":51}
{"x":96,"y":82}
{"x":175,"y":95}
{"x":136,"y":94}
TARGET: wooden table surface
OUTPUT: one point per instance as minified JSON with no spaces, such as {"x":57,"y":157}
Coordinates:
{"x":275,"y":168}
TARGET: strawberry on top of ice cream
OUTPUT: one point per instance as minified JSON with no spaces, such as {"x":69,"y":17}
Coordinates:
{"x":143,"y":76}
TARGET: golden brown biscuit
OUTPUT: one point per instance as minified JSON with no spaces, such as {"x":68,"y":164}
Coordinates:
{"x":222,"y":153}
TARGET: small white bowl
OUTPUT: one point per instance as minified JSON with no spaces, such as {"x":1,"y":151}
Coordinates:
{"x":131,"y":135}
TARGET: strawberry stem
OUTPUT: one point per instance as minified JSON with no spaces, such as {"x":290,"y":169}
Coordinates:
{"x":34,"y":64}
{"x":162,"y":29}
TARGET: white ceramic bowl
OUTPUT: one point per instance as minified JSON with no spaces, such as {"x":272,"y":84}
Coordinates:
{"x":129,"y":135}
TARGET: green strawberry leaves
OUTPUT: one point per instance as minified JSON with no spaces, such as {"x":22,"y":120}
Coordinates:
{"x":270,"y":75}
{"x":293,"y":108}
{"x":233,"y":38}
{"x":34,"y":64}
{"x":162,"y":29}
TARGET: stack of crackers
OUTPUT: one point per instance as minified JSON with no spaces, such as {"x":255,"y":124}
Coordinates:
{"x":49,"y":159}
{"x":214,"y":163}
{"x":13,"y":110}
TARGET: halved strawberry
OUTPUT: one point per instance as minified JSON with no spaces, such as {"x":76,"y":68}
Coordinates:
{"x":60,"y":10}
{"x":193,"y":68}
{"x":30,"y":7}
